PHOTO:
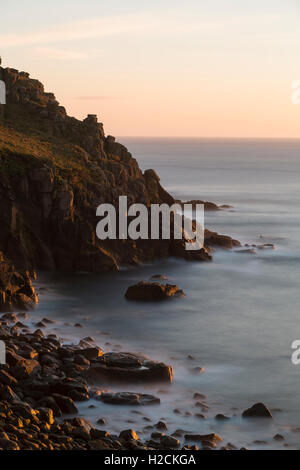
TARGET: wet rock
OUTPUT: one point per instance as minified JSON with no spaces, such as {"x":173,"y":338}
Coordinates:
{"x":7,"y":444}
{"x":161,"y":425}
{"x":128,"y":398}
{"x":278,"y":437}
{"x":157,"y":435}
{"x":159,"y":276}
{"x":66,"y":404}
{"x":198,"y":370}
{"x":98,"y":433}
{"x":203,"y":437}
{"x":199,"y":396}
{"x":221,"y":417}
{"x":128,"y":367}
{"x":129,"y":435}
{"x":259,"y":410}
{"x":169,"y":442}
{"x":91,"y":353}
{"x":150,"y":291}
{"x":101,"y":421}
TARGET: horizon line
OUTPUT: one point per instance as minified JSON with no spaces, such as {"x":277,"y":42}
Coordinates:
{"x":203,"y":137}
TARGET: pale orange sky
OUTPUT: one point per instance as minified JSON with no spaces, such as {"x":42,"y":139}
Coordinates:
{"x":210,"y":69}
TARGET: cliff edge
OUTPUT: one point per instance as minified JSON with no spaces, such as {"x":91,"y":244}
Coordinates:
{"x":55,"y":171}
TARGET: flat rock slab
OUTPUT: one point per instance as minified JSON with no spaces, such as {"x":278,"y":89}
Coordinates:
{"x":151,"y":291}
{"x":129,"y":367}
{"x":128,"y":398}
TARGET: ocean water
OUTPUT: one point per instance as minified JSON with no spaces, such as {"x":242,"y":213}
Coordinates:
{"x":241,"y":313}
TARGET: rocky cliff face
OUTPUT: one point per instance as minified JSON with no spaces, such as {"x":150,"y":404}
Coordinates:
{"x":54,"y":172}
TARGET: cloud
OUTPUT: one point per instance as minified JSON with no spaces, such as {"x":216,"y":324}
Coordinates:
{"x":77,"y":30}
{"x":45,"y":53}
{"x":165,"y":22}
{"x":96,"y":98}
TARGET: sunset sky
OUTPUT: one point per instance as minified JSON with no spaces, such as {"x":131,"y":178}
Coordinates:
{"x":207,"y":68}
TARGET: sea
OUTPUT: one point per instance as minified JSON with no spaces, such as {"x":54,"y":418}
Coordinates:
{"x":241,"y":313}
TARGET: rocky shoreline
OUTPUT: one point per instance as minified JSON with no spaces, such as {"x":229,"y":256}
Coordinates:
{"x":44,"y":381}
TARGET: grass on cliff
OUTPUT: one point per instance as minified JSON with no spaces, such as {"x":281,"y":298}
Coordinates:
{"x":24,"y":146}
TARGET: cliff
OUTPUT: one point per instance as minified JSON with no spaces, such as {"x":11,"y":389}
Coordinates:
{"x":54,"y":172}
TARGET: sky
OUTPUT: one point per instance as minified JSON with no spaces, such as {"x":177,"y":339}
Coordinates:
{"x":200,"y":68}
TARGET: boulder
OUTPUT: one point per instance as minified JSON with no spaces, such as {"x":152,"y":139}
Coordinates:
{"x":129,"y":367}
{"x":169,"y":442}
{"x":128,"y":398}
{"x":259,"y":410}
{"x":150,"y":291}
{"x":129,"y":435}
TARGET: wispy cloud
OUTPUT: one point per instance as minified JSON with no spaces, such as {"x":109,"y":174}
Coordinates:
{"x":166,"y":22}
{"x":97,"y":98}
{"x":78,"y":30}
{"x":45,"y":53}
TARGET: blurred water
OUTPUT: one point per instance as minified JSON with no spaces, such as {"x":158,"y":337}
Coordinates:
{"x":241,"y":313}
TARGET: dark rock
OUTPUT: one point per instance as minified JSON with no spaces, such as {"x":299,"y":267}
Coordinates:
{"x":161,"y":425}
{"x":203,"y":437}
{"x":128,"y":398}
{"x":259,"y":410}
{"x":128,"y":435}
{"x":128,"y":367}
{"x":169,"y":442}
{"x":150,"y":291}
{"x":66,"y":404}
{"x":221,"y":417}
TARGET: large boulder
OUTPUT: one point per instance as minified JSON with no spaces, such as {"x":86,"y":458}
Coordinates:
{"x":151,"y":291}
{"x":259,"y":410}
{"x":129,"y":367}
{"x":128,"y":398}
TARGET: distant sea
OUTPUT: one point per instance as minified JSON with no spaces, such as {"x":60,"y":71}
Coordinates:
{"x":242,"y":311}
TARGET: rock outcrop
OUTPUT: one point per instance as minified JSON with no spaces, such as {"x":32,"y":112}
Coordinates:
{"x":54,"y":172}
{"x":151,"y":291}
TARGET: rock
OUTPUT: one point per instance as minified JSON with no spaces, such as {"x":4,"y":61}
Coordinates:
{"x":101,"y":421}
{"x":157,"y":435}
{"x":221,"y":417}
{"x":91,"y":353}
{"x":198,"y":370}
{"x":169,"y":442}
{"x":129,"y":367}
{"x":159,"y":276}
{"x":98,"y":434}
{"x":128,"y":435}
{"x":278,"y":437}
{"x":150,"y":291}
{"x":203,"y":437}
{"x":66,"y":404}
{"x":7,"y":379}
{"x":259,"y":410}
{"x":128,"y":398}
{"x":161,"y":425}
{"x":7,"y":444}
{"x":25,"y":369}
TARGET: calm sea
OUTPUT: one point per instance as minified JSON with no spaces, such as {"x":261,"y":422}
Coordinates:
{"x":241,"y":313}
